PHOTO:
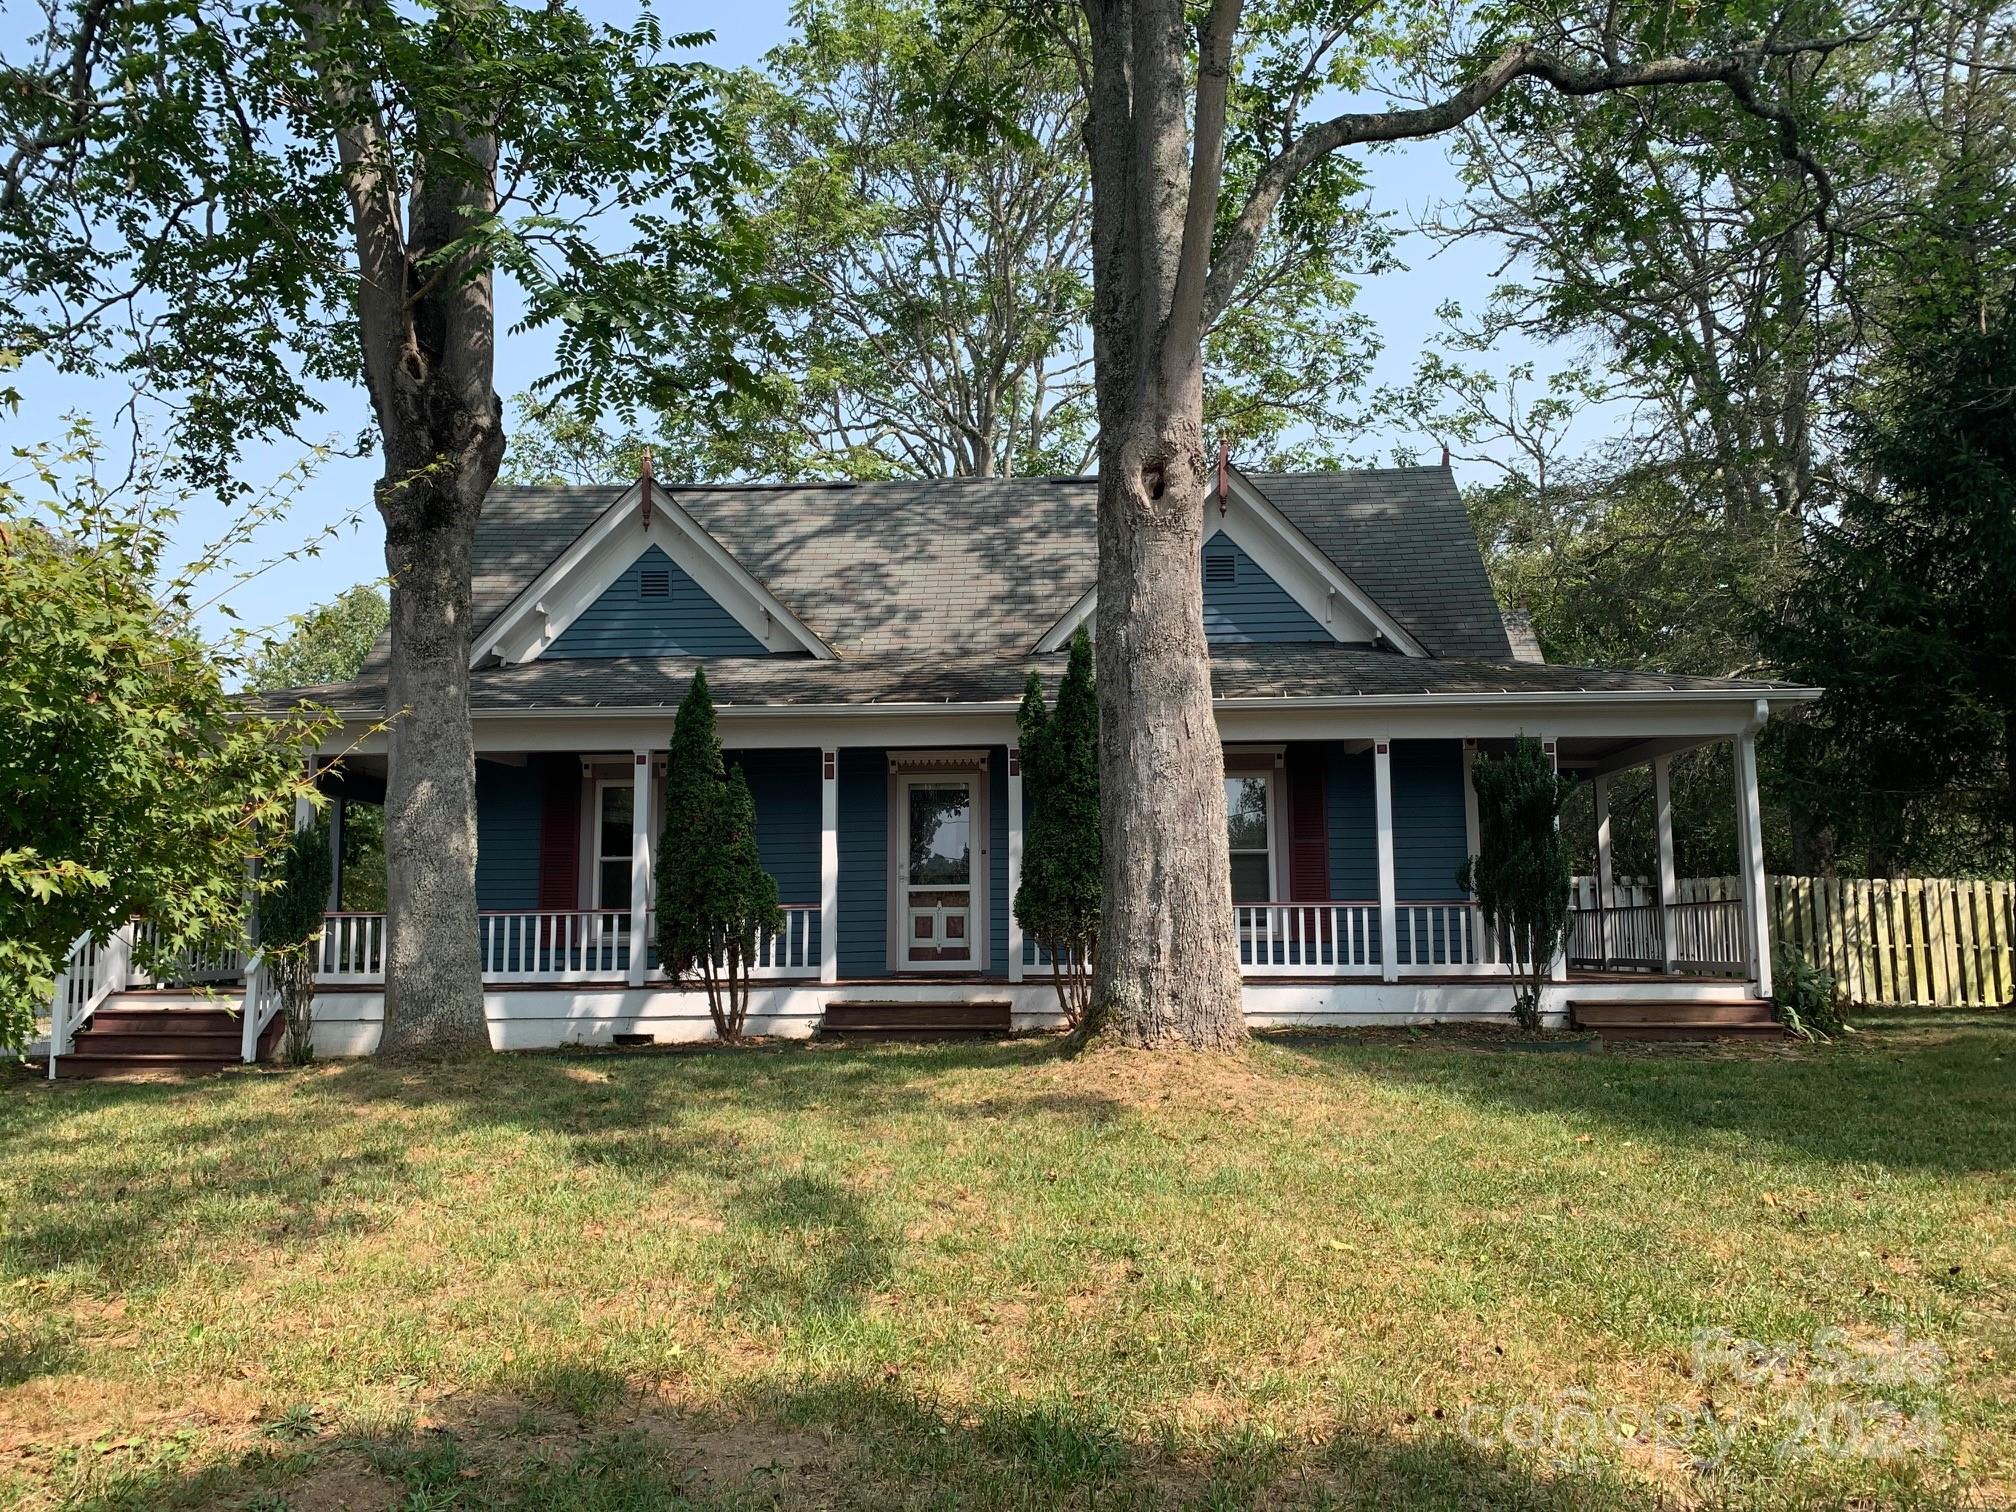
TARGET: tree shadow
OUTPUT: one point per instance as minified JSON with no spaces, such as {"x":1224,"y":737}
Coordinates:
{"x":1904,"y":1093}
{"x":850,"y":1444}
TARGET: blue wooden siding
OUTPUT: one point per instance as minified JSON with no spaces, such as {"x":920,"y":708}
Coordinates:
{"x":864,"y":863}
{"x":785,"y":785}
{"x":1430,"y":840}
{"x":1351,"y":807}
{"x":685,"y":622}
{"x":508,"y":806}
{"x":1251,"y":607}
{"x":997,"y":862}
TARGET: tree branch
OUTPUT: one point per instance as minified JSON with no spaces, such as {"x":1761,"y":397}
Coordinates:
{"x":1735,"y":69}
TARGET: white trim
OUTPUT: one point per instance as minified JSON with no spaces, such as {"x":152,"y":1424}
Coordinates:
{"x":596,"y":902}
{"x":978,"y":905}
{"x":1389,"y":913}
{"x":1606,"y":888}
{"x":829,"y":864}
{"x":1470,"y":821}
{"x":604,"y":551}
{"x":1014,"y":861}
{"x":1253,"y":524}
{"x":1750,"y":863}
{"x":1669,"y":884}
{"x":640,"y":866}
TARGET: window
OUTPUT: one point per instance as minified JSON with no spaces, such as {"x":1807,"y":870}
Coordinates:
{"x":613,"y":837}
{"x":1249,"y":832}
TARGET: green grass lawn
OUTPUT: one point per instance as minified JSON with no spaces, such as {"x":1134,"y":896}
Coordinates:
{"x":1381,"y":1270}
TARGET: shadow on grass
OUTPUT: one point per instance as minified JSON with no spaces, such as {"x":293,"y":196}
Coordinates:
{"x":847,"y":1445}
{"x":1910,"y":1093}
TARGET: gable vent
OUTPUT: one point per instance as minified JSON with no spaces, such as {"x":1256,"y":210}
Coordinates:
{"x":1220,"y":567}
{"x":654,"y":582}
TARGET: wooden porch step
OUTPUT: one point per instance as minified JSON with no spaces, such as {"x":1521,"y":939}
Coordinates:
{"x":1677,"y":1018}
{"x":202,"y":1044}
{"x":84,"y":1065}
{"x":890,"y":1020}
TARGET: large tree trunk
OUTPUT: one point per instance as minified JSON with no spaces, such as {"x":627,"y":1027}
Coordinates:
{"x":428,"y":336}
{"x":1168,"y":970}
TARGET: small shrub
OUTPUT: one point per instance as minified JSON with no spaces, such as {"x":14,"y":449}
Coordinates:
{"x":1803,"y":1000}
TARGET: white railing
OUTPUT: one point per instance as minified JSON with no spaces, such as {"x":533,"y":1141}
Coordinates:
{"x":555,"y":945}
{"x":262,"y":1001}
{"x":792,"y":950}
{"x":186,"y":968}
{"x":352,"y":949}
{"x":1708,"y":937}
{"x":91,"y":973}
{"x":1308,"y":939}
{"x":1444,"y":936}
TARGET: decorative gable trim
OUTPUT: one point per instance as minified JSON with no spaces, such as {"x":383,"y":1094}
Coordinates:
{"x":1251,"y":522}
{"x":603,"y":552}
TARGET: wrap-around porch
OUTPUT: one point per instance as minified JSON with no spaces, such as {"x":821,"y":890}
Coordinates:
{"x":899,"y":864}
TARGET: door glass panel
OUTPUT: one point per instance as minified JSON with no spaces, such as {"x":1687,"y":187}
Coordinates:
{"x":941,"y":823}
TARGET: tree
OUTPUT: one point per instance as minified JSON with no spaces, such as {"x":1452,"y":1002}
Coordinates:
{"x":328,"y":644}
{"x":224,"y":203}
{"x":1058,"y":901}
{"x":1907,"y":617}
{"x":133,"y":786}
{"x":290,"y":924}
{"x":943,"y":278}
{"x":1520,"y":873}
{"x":1181,"y":206}
{"x":714,"y":898}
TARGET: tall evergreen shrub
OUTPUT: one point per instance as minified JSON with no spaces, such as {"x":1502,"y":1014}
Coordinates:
{"x":1057,"y":903}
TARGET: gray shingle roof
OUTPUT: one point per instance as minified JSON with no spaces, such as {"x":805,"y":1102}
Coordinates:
{"x":1249,"y":671}
{"x":950,"y":567}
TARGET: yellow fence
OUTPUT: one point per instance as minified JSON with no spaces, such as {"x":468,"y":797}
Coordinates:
{"x":1933,"y":942}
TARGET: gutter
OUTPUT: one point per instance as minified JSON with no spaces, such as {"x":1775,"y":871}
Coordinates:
{"x":1327,"y":702}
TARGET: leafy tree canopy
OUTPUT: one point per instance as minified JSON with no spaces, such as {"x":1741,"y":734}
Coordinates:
{"x":133,"y":786}
{"x":327,"y":644}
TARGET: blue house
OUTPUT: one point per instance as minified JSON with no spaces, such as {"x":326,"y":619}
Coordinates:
{"x":867,"y":645}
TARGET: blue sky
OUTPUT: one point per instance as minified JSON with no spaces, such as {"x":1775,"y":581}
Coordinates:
{"x":1407,"y":181}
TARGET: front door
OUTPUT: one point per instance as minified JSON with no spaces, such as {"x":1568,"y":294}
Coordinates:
{"x":936,"y":881}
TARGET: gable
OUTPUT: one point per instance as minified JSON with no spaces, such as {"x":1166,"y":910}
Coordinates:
{"x":654,"y":608}
{"x":1243,"y":605}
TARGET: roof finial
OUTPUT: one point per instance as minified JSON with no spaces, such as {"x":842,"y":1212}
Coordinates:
{"x":1224,"y":473}
{"x":644,"y":487}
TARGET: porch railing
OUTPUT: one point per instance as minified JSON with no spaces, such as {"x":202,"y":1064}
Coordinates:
{"x":554,"y":945}
{"x":1707,"y":937}
{"x":1290,"y":939}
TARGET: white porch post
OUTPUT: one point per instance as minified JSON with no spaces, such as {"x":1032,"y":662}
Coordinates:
{"x":1606,"y":884}
{"x":829,"y":864}
{"x":336,"y":808}
{"x":640,"y":870}
{"x":1382,"y":788}
{"x":1558,"y":969}
{"x":1469,"y":801}
{"x":1750,"y":861}
{"x":1669,"y":886}
{"x":1014,"y":861}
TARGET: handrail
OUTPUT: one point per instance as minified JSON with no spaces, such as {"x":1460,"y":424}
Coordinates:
{"x":91,"y":973}
{"x":256,"y":1012}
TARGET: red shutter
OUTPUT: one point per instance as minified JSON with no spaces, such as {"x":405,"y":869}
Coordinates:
{"x":560,"y":838}
{"x":1308,"y":827}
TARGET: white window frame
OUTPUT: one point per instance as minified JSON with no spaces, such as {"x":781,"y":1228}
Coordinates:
{"x":1270,"y":777}
{"x":595,"y":900}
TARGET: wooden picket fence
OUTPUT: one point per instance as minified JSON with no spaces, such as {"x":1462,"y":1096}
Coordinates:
{"x":1936,"y":942}
{"x":1930,"y":942}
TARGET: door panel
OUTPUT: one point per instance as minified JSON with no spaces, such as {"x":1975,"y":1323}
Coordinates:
{"x":936,"y":886}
